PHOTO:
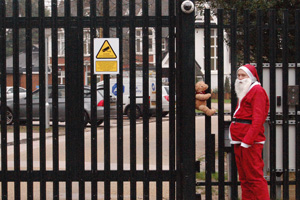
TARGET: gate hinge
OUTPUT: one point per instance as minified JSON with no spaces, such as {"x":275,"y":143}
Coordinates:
{"x":197,"y":166}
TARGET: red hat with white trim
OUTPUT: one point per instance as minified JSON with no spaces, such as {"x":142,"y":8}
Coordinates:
{"x":251,"y":72}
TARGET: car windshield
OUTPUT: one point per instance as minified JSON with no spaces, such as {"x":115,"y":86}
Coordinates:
{"x":62,"y":93}
{"x":167,"y":89}
{"x":101,"y":92}
{"x":36,"y":93}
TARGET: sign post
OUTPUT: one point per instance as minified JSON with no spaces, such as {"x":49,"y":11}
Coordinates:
{"x":106,"y":51}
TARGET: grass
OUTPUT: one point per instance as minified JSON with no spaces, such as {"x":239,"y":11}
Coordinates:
{"x":225,"y":100}
{"x":214,"y":176}
{"x":201,"y":176}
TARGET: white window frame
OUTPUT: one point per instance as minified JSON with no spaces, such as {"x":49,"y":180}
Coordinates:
{"x":214,"y":48}
{"x":61,"y":77}
{"x":151,"y":41}
{"x":86,"y":43}
{"x":139,"y":41}
{"x":61,"y":43}
{"x":139,"y":45}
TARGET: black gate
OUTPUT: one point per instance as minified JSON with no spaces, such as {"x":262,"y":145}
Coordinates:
{"x":78,"y":157}
{"x":68,"y":160}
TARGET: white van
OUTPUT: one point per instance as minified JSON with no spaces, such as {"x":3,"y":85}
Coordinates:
{"x":165,"y":100}
{"x":139,"y":94}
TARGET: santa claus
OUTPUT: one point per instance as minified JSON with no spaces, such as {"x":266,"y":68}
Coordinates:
{"x":247,"y":132}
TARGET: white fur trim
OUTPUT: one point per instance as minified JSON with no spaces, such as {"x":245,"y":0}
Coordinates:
{"x":245,"y":145}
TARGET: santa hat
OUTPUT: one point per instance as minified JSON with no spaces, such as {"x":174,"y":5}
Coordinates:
{"x":251,"y":72}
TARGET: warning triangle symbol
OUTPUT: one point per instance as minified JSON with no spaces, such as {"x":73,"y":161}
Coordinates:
{"x":106,"y":51}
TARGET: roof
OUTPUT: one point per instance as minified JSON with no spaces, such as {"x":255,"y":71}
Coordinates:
{"x":22,"y":61}
{"x":198,"y":70}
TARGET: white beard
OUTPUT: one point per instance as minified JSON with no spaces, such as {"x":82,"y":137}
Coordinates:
{"x":242,"y":87}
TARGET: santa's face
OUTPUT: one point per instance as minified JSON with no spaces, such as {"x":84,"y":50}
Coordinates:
{"x":241,"y":74}
{"x":242,"y":84}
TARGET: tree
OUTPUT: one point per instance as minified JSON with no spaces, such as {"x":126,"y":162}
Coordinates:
{"x":252,"y":7}
{"x":22,"y":13}
{"x":227,"y":85}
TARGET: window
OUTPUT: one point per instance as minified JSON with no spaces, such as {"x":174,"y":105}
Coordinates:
{"x":10,"y":90}
{"x":151,"y":51}
{"x":86,"y":43}
{"x":88,"y":78}
{"x":139,"y":33}
{"x":36,"y":95}
{"x":50,"y":92}
{"x":22,"y":90}
{"x":151,"y":41}
{"x":61,"y":93}
{"x":163,"y":44}
{"x":213,"y":50}
{"x":139,"y":41}
{"x":61,"y":77}
{"x":61,"y":44}
{"x":138,"y":45}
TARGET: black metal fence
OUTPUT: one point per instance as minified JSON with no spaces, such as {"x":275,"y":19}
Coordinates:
{"x":269,"y":40}
{"x":113,"y":161}
{"x":111,"y":168}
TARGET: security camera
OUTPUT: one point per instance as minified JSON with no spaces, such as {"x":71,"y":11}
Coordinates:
{"x":187,"y":6}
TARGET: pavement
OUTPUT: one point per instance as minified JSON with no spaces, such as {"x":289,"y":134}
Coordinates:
{"x":200,"y":152}
{"x":227,"y":106}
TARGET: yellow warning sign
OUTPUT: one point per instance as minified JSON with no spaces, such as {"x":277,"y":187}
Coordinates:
{"x":106,"y":66}
{"x":106,"y":51}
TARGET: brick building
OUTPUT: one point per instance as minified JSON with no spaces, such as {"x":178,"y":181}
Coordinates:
{"x":22,"y":69}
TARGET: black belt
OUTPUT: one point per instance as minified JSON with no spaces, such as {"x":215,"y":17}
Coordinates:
{"x":244,"y":121}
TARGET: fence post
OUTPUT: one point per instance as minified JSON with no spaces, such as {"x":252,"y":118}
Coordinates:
{"x":185,"y":111}
{"x":74,"y":109}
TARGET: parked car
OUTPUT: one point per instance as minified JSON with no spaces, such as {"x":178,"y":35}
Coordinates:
{"x":100,"y":100}
{"x":138,"y":95}
{"x":61,"y":106}
{"x":10,"y":92}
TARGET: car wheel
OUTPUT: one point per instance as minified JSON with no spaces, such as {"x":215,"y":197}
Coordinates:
{"x":9,"y":117}
{"x":138,"y":112}
{"x":86,"y":118}
{"x":99,"y":122}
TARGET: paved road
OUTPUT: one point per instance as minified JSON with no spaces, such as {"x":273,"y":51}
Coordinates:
{"x":200,"y":148}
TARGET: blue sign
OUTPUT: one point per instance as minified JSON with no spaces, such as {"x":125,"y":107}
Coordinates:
{"x":153,"y":87}
{"x":114,"y":89}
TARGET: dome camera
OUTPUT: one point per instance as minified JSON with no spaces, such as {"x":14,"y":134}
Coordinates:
{"x":187,"y":6}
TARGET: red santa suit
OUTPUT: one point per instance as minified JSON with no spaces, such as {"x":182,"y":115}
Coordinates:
{"x":247,"y":135}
